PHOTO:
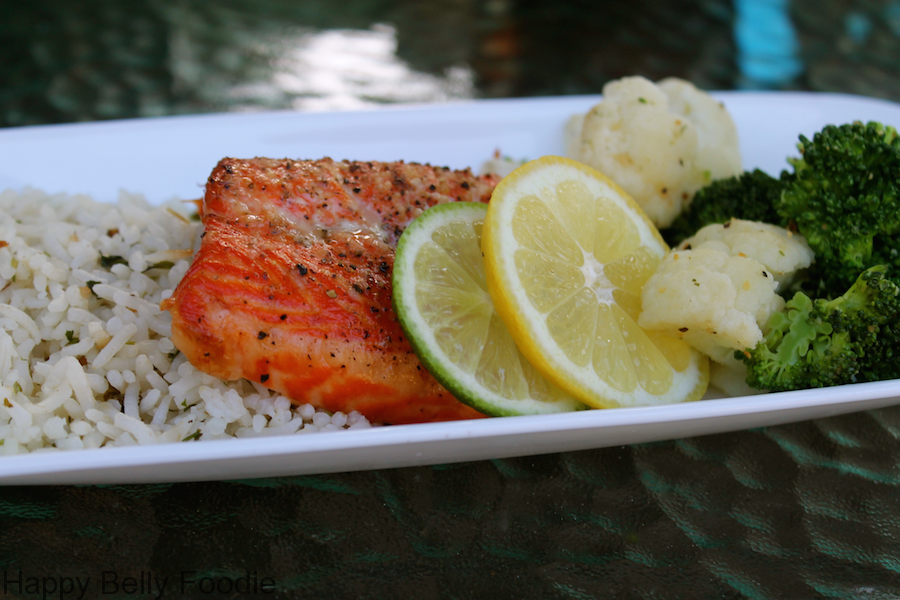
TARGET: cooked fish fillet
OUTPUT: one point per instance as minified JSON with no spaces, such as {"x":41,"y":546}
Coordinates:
{"x":291,"y":286}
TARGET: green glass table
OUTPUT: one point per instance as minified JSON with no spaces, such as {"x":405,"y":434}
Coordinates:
{"x":805,"y":510}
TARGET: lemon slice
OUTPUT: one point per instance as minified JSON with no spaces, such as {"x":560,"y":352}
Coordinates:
{"x":566,"y":253}
{"x":440,"y":296}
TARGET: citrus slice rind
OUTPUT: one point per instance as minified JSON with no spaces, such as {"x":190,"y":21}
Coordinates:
{"x":566,"y":255}
{"x":441,"y":299}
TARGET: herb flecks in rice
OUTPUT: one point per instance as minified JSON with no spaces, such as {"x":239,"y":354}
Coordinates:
{"x":85,"y":355}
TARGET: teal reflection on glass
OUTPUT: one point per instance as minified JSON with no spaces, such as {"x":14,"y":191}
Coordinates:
{"x":767,"y":43}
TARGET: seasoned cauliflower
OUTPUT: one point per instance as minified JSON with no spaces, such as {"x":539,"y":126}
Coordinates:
{"x":660,"y":143}
{"x":783,"y":252}
{"x":718,"y":150}
{"x":501,"y":165}
{"x":716,"y":302}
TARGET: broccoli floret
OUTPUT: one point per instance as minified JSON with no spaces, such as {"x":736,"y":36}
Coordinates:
{"x":801,"y":350}
{"x":844,"y":198}
{"x":821,"y":342}
{"x":881,"y":360}
{"x":880,"y":327}
{"x":750,"y":196}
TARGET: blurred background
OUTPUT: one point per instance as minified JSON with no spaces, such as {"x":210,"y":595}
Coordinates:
{"x":808,"y":510}
{"x":106,"y":59}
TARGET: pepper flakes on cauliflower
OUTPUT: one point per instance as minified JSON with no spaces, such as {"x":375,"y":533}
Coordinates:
{"x":783,"y":252}
{"x":660,"y":143}
{"x":714,"y":301}
{"x":501,"y":165}
{"x":718,"y":289}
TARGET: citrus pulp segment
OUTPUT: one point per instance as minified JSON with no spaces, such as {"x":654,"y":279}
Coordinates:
{"x":441,"y":298}
{"x":566,"y":254}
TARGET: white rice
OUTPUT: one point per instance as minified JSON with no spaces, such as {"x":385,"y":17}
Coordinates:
{"x":85,"y":354}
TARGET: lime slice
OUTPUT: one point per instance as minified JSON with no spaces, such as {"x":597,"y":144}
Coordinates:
{"x":440,"y":296}
{"x":566,"y":254}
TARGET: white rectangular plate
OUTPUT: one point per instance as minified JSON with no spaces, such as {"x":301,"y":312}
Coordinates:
{"x":171,"y":157}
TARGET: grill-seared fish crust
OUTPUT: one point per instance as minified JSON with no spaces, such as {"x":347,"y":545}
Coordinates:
{"x":291,"y":286}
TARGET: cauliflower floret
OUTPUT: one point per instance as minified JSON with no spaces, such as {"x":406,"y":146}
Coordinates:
{"x":783,"y":252}
{"x":716,"y":302}
{"x":718,"y":149}
{"x":501,"y":165}
{"x":660,"y":143}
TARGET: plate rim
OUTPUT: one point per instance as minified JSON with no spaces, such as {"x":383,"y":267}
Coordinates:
{"x":120,"y":464}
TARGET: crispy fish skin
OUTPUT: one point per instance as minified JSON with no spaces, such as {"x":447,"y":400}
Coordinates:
{"x":291,"y":286}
